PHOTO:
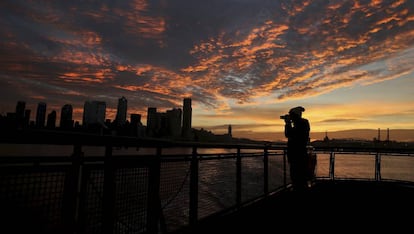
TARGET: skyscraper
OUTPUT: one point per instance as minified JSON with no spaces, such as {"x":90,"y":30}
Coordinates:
{"x":94,"y":113}
{"x":20,"y":114}
{"x":51,"y":119}
{"x":122,"y":111}
{"x":41,"y":115}
{"x":174,"y":122}
{"x":135,"y":119}
{"x":152,"y":121}
{"x":187,"y":112}
{"x":66,"y":121}
{"x":136,"y":125}
{"x":26,"y":119}
{"x":20,"y":107}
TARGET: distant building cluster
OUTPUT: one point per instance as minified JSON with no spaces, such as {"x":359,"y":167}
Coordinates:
{"x":174,"y":123}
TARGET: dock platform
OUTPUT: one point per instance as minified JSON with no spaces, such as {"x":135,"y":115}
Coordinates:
{"x":334,"y":206}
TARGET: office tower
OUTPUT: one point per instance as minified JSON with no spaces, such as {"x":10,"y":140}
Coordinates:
{"x":66,"y":121}
{"x":41,"y":115}
{"x":187,"y":112}
{"x":51,"y":120}
{"x":136,"y":119}
{"x":162,"y":127}
{"x":174,"y":122}
{"x":26,"y":119}
{"x":94,"y":113}
{"x":152,"y":121}
{"x":136,"y":125}
{"x":20,"y":109}
{"x":122,"y":111}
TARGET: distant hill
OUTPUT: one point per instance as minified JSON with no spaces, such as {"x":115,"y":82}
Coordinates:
{"x":402,"y":135}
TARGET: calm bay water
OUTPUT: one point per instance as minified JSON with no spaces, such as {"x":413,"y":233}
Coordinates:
{"x":398,"y":167}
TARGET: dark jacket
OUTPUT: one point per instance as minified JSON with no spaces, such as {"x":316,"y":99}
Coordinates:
{"x":298,"y":136}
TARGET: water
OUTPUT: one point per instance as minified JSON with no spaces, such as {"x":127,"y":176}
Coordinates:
{"x":357,"y":166}
{"x":396,"y":167}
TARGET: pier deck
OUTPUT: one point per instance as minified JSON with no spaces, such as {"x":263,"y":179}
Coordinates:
{"x":335,"y":206}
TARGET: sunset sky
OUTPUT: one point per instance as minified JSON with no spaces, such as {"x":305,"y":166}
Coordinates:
{"x":243,"y":62}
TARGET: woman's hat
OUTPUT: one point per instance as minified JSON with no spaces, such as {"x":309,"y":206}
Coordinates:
{"x":297,"y":110}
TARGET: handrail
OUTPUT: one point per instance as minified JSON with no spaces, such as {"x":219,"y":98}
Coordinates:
{"x":41,"y":136}
{"x":103,"y":180}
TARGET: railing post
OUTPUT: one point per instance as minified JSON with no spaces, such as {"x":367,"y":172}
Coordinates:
{"x":238,"y":178}
{"x":284,"y":168}
{"x":71,"y":195}
{"x":332,"y":165}
{"x":109,"y":191}
{"x":266,"y":171}
{"x":377,"y":166}
{"x":194,"y":188}
{"x":154,"y":202}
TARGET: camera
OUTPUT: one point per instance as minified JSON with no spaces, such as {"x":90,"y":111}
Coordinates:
{"x":285,"y":117}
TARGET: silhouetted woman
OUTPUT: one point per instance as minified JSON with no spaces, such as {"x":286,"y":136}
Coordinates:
{"x":297,"y":131}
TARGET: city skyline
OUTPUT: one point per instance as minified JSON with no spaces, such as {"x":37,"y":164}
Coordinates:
{"x":401,"y":135}
{"x":38,"y":116}
{"x":243,"y":63}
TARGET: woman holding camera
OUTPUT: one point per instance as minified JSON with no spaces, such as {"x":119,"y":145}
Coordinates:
{"x":297,"y":132}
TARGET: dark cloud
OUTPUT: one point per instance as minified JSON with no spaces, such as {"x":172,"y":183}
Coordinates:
{"x":157,"y":52}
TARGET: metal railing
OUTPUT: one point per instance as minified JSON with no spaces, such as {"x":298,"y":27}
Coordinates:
{"x":146,"y":185}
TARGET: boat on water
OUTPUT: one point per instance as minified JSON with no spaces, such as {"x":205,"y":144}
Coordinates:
{"x":209,"y":187}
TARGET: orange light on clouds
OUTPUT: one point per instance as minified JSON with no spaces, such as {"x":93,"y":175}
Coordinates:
{"x":122,"y":68}
{"x":243,"y":66}
{"x":140,"y":23}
